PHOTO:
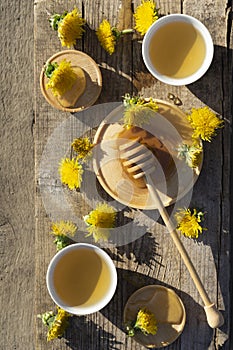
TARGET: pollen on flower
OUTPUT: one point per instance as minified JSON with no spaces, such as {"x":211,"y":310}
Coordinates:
{"x":82,"y":146}
{"x":62,"y":78}
{"x":188,"y":222}
{"x":59,"y":325}
{"x":138,"y":111}
{"x":204,"y":123}
{"x":146,"y":322}
{"x":71,"y":28}
{"x":71,"y":173}
{"x":56,"y":323}
{"x":106,"y":36}
{"x":145,"y":15}
{"x":63,"y":228}
{"x":100,"y":221}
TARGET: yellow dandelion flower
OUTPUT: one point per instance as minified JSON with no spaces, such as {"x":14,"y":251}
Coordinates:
{"x":188,"y":222}
{"x":145,"y":322}
{"x":204,"y":122}
{"x":106,"y":36}
{"x":145,"y":15}
{"x":137,"y":116}
{"x":191,"y":154}
{"x":138,"y":111}
{"x":98,"y":233}
{"x":71,"y":173}
{"x":82,"y":146}
{"x":56,"y":323}
{"x":100,"y":221}
{"x":63,"y":228}
{"x":61,"y":77}
{"x":70,"y":28}
{"x":59,"y":325}
{"x":103,"y":216}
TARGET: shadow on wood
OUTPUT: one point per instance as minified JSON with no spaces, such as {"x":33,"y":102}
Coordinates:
{"x":82,"y":328}
{"x":217,"y":79}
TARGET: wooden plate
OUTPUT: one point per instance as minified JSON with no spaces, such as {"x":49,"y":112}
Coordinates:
{"x":93,"y":80}
{"x":171,"y":127}
{"x":168,"y":309}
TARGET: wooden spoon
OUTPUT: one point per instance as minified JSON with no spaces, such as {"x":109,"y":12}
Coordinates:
{"x":140,"y":162}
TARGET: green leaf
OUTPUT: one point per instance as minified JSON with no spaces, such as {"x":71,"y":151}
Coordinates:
{"x":130,"y":329}
{"x":62,"y":241}
{"x":47,"y":318}
{"x":55,"y":19}
{"x":50,"y":68}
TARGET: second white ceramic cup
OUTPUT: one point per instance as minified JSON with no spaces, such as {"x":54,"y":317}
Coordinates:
{"x":209,"y":49}
{"x":101,"y":258}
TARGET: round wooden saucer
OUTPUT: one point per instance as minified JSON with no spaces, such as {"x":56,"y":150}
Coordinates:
{"x":170,"y":127}
{"x":93,"y":80}
{"x":169,"y":313}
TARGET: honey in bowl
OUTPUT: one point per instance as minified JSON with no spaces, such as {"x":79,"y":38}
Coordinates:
{"x":177,"y":49}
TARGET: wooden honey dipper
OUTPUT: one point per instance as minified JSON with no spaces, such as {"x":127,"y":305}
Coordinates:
{"x":140,"y":162}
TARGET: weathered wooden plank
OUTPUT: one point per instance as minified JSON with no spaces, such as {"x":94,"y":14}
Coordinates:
{"x":215,"y":92}
{"x":16,"y":176}
{"x":47,"y":118}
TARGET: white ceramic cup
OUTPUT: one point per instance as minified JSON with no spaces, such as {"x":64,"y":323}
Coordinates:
{"x":197,"y":25}
{"x":102,"y":257}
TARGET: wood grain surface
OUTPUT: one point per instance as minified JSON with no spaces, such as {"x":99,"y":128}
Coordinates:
{"x":150,"y":259}
{"x":17,"y":220}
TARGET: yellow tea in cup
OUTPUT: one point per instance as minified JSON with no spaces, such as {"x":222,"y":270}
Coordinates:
{"x":81,"y":278}
{"x":177,"y":49}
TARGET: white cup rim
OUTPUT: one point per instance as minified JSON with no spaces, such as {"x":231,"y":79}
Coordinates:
{"x":81,"y":310}
{"x":207,"y":39}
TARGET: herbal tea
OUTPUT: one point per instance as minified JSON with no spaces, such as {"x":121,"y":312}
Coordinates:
{"x":81,"y":278}
{"x":177,"y":50}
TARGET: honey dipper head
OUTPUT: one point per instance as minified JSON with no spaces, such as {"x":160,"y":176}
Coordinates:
{"x":138,"y":160}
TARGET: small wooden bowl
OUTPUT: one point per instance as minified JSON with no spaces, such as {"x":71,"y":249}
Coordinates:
{"x":93,"y":80}
{"x":171,"y":127}
{"x":169,"y":313}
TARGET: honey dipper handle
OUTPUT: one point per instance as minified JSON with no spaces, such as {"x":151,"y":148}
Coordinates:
{"x":214,"y":317}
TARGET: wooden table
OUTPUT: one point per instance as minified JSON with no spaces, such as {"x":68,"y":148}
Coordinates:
{"x":152,"y":258}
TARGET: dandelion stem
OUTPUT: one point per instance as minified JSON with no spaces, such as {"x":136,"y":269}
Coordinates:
{"x":127,"y":31}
